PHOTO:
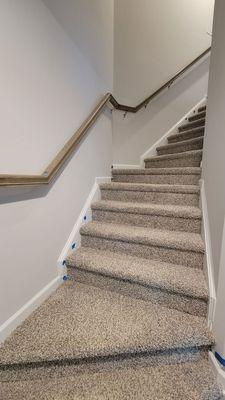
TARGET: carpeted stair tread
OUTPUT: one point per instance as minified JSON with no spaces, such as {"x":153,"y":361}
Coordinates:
{"x":135,"y":234}
{"x":187,"y":380}
{"x":148,"y":208}
{"x":171,"y":147}
{"x":175,"y":155}
{"x":161,"y":275}
{"x":158,"y":171}
{"x":197,"y":116}
{"x":186,"y":135}
{"x":87,"y":323}
{"x":148,"y":187}
{"x":189,"y":125}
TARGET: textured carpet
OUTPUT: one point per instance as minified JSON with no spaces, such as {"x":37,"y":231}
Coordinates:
{"x":190,"y":381}
{"x":130,"y":323}
{"x":85,"y":322}
{"x":158,"y":216}
{"x":150,"y":280}
{"x":186,"y":145}
{"x":190,"y":158}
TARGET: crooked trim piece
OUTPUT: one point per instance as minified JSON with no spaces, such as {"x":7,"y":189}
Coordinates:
{"x":208,"y":255}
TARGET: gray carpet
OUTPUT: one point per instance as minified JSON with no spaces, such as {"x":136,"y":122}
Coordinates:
{"x":189,"y":380}
{"x":130,"y":323}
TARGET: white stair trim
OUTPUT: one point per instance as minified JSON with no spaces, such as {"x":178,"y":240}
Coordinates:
{"x":125,"y":166}
{"x":208,"y":260}
{"x":85,"y":216}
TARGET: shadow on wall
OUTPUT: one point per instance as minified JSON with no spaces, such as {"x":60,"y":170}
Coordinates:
{"x":15,"y":194}
{"x":136,"y":133}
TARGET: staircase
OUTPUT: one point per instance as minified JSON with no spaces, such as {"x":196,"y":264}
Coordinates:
{"x":131,"y":321}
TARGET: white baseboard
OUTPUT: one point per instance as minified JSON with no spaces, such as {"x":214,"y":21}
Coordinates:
{"x":125,"y":166}
{"x":208,"y":261}
{"x":73,"y":241}
{"x":17,"y":318}
{"x":218,"y":370}
{"x":151,"y":152}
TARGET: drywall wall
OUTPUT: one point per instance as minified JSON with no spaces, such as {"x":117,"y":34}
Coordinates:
{"x":155,"y":39}
{"x":136,"y":133}
{"x":90,"y":26}
{"x":48,"y":87}
{"x":213,"y":157}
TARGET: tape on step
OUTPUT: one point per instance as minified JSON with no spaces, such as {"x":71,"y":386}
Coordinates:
{"x":220,"y":359}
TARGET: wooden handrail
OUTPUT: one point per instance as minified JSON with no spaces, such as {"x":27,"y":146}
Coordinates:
{"x":52,"y":169}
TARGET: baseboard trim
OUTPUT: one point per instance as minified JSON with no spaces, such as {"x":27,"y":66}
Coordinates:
{"x":208,"y":261}
{"x":151,"y":152}
{"x":73,"y":241}
{"x":125,"y":166}
{"x":17,"y":318}
{"x":218,"y":370}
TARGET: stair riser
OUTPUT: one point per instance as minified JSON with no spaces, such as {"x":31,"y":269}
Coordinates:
{"x":200,"y":109}
{"x":159,"y":179}
{"x":198,"y":116}
{"x":154,"y":295}
{"x":76,"y":366}
{"x":181,"y":148}
{"x":151,"y":221}
{"x":191,"y":125}
{"x":188,"y":199}
{"x":186,"y":136}
{"x":176,"y":162}
{"x":190,"y":259}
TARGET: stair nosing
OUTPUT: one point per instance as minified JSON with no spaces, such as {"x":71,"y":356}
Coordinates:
{"x":192,"y":153}
{"x":199,"y":130}
{"x":192,"y":123}
{"x":187,"y":292}
{"x":141,"y":283}
{"x":158,"y":171}
{"x":148,"y":209}
{"x":87,"y":230}
{"x":181,"y":143}
{"x":197,"y":116}
{"x":149,"y":187}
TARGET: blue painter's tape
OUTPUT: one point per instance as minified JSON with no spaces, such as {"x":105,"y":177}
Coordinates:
{"x":85,"y":217}
{"x":73,"y":245}
{"x":219,"y":358}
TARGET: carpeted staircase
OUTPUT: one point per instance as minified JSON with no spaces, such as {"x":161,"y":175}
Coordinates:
{"x":131,"y":321}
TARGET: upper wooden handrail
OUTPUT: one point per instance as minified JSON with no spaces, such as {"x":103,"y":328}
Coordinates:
{"x":52,"y":169}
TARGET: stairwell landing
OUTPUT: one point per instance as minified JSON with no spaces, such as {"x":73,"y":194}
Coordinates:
{"x":131,"y":321}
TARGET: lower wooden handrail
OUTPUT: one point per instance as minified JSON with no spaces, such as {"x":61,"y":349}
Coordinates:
{"x":52,"y":169}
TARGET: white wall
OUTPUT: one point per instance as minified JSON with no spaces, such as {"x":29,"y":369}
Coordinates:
{"x":135,"y":134}
{"x":90,"y":26}
{"x":214,"y":167}
{"x":213,"y":160}
{"x":153,"y":40}
{"x":47,"y":89}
